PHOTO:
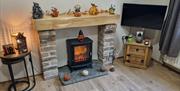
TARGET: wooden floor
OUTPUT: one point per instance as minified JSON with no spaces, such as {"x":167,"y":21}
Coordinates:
{"x":155,"y":78}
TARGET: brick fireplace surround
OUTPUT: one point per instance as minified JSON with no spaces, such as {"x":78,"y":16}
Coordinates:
{"x":46,"y":28}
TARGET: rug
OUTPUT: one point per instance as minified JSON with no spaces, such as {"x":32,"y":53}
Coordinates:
{"x":76,"y":75}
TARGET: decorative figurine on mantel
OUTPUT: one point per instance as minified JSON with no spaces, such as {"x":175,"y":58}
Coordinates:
{"x":37,"y":11}
{"x":93,"y":10}
{"x":55,"y":12}
{"x":112,"y":9}
{"x":77,"y":12}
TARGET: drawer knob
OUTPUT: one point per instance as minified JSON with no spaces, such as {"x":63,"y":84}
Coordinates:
{"x":142,"y":61}
{"x":128,"y":55}
{"x":137,"y":49}
{"x":128,"y":61}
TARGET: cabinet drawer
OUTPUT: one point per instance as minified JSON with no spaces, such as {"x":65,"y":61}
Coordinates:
{"x":134,"y":59}
{"x":136,"y":49}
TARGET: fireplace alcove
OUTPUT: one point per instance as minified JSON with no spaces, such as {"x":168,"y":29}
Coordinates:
{"x":46,"y":28}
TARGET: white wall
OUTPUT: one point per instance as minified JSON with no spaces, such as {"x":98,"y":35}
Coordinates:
{"x":18,"y":12}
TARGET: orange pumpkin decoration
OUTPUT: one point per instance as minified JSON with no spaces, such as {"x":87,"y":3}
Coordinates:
{"x":93,"y":10}
{"x":77,"y":14}
{"x":67,"y":77}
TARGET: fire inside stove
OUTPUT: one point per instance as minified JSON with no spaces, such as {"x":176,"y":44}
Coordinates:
{"x":80,"y":53}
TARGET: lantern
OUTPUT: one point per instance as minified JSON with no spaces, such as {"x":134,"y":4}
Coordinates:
{"x":20,"y":43}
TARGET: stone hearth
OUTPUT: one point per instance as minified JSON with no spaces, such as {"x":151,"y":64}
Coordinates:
{"x":106,"y":29}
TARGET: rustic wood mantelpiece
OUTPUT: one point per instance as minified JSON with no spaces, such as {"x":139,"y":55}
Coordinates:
{"x":47,"y":35}
{"x":67,"y":21}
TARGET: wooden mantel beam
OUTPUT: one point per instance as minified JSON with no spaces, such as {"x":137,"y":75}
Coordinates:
{"x":67,"y":21}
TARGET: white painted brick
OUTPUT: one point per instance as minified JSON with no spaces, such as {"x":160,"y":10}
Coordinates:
{"x":49,"y":58}
{"x":44,"y":33}
{"x":49,"y":64}
{"x":50,"y":74}
{"x":52,"y":32}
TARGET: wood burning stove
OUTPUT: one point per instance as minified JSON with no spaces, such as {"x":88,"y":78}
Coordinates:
{"x":79,"y":51}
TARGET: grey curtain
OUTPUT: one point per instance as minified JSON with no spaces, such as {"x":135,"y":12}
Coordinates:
{"x":170,"y":36}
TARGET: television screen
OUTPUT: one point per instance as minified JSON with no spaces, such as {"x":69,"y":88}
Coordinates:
{"x":143,"y":16}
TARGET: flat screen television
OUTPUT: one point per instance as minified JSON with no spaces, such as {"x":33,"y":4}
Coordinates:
{"x":143,"y":16}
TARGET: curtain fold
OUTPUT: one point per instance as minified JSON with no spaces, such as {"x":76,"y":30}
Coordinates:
{"x":170,"y":36}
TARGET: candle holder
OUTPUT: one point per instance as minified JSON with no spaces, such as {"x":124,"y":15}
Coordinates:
{"x":20,"y":42}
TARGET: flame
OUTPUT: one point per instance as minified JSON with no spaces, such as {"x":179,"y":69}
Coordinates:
{"x":80,"y":53}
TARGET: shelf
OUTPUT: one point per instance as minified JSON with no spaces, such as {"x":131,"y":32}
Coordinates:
{"x":69,"y":21}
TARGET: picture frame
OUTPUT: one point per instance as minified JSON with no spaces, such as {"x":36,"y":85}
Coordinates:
{"x":139,"y":36}
{"x":8,"y":49}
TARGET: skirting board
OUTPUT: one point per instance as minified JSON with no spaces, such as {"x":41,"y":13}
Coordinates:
{"x":171,"y":67}
{"x":167,"y":65}
{"x":163,"y":63}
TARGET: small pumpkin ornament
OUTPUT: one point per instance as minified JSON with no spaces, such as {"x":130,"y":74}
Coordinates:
{"x":103,"y":68}
{"x":112,"y":69}
{"x":67,"y":77}
{"x":93,"y":10}
{"x":77,"y":14}
{"x":84,"y":73}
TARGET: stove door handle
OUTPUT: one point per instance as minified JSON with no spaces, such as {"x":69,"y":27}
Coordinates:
{"x":90,"y":53}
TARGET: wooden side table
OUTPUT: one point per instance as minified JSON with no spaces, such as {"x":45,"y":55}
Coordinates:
{"x":9,"y":60}
{"x":137,"y":54}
